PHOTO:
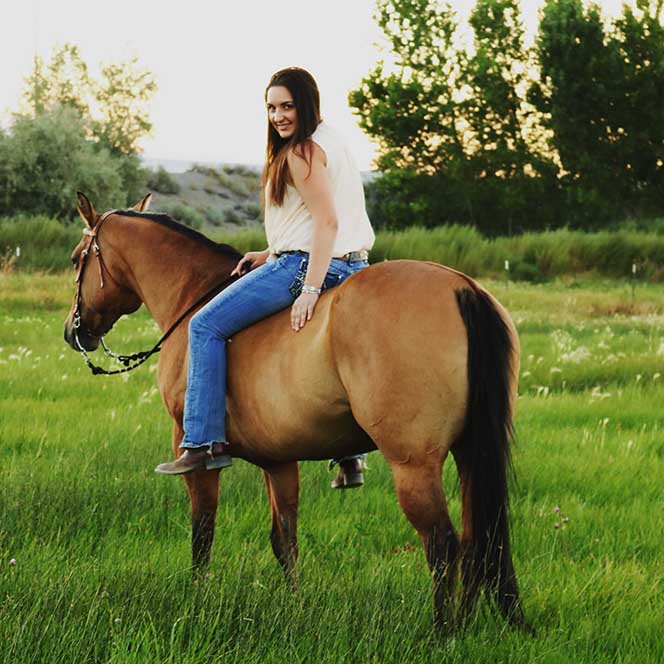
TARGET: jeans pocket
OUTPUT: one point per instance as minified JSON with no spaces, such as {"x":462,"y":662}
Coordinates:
{"x":331,"y":280}
{"x":295,"y":287}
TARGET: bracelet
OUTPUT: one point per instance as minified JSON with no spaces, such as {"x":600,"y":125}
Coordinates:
{"x":310,"y":289}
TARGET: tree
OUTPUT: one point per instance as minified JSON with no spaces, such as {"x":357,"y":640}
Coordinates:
{"x":577,"y":92}
{"x":640,"y":135}
{"x":76,"y":134}
{"x":449,"y":125}
{"x":120,"y":98}
{"x":46,"y":159}
{"x":413,"y":113}
{"x":495,"y":75}
{"x":601,"y":93}
{"x":64,"y":81}
{"x":506,"y":166}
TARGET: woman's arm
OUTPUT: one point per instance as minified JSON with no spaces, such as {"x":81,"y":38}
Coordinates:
{"x":316,"y":192}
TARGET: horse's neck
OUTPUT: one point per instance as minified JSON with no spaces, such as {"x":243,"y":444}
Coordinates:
{"x":170,"y":271}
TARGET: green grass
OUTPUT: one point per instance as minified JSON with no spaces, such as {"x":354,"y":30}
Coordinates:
{"x":102,"y":543}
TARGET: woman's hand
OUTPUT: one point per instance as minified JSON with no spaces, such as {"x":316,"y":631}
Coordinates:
{"x":302,"y":310}
{"x":249,"y":261}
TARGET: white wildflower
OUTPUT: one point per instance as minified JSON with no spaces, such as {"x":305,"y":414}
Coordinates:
{"x":596,"y":393}
{"x":576,"y":356}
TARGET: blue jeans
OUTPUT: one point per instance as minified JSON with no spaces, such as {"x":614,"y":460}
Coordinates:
{"x":260,"y":293}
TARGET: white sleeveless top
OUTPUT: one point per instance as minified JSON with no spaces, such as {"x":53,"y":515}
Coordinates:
{"x":289,"y":227}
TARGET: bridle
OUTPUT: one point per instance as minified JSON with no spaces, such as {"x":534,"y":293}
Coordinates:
{"x":135,"y":360}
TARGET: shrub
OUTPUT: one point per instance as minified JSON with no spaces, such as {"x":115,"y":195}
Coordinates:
{"x":45,"y":160}
{"x":214,"y":216}
{"x":231,"y":216}
{"x":185,"y":215}
{"x":252,"y":210}
{"x":163,"y":182}
{"x":240,"y":169}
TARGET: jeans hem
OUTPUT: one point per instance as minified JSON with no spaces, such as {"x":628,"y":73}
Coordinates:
{"x":186,"y":445}
{"x":335,"y":462}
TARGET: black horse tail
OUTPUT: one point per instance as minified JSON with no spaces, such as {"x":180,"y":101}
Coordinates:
{"x":483,"y":452}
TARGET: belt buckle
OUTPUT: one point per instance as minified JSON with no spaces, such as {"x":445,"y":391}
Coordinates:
{"x":353,"y":256}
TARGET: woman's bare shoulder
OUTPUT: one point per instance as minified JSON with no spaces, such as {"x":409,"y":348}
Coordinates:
{"x":307,"y":151}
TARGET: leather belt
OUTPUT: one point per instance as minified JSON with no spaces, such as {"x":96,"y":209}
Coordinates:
{"x":350,"y":257}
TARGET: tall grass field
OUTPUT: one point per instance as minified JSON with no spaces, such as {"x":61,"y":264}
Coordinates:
{"x":634,"y":250}
{"x":95,"y":551}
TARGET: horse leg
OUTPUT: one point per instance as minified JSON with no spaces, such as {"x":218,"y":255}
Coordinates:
{"x":471,"y":566}
{"x":203,"y":486}
{"x":420,"y":491}
{"x":283,"y":486}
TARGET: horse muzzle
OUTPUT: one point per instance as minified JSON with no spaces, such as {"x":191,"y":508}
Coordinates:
{"x":79,"y":338}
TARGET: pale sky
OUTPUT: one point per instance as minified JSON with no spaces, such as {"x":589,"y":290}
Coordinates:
{"x":212,"y":61}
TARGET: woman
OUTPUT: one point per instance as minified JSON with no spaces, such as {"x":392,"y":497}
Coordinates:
{"x":318,"y":234}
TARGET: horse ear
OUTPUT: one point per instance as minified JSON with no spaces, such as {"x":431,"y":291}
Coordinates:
{"x":86,"y":210}
{"x":143,"y":204}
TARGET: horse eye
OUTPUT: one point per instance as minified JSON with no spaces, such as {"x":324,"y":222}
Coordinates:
{"x":74,"y":261}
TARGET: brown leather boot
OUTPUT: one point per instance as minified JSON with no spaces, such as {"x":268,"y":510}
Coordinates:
{"x":350,"y":475}
{"x":192,"y":459}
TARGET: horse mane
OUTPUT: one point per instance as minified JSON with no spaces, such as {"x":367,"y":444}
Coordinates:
{"x":168,"y":222}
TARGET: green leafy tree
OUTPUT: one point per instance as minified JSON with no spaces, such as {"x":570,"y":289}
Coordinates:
{"x":412,"y":112}
{"x":449,"y":126}
{"x":506,"y":166}
{"x":496,"y":75}
{"x":45,"y":159}
{"x":410,"y":108}
{"x":577,"y":93}
{"x":122,"y":99}
{"x":119,"y":99}
{"x":75,"y":132}
{"x":63,"y":81}
{"x":470,"y":137}
{"x":640,"y":118}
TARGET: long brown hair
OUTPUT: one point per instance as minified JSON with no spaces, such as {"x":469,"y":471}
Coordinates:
{"x":303,"y":89}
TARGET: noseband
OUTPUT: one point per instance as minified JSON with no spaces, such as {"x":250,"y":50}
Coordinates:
{"x":136,"y":359}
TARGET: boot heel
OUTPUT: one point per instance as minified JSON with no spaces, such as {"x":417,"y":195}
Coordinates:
{"x":354,"y":480}
{"x":220,"y":461}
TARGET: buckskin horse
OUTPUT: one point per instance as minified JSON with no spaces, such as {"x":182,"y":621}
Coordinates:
{"x":408,"y":357}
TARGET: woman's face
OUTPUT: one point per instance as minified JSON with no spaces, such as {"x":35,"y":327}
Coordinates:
{"x":281,"y":110}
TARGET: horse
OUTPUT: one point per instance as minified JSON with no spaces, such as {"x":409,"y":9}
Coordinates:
{"x":408,"y":357}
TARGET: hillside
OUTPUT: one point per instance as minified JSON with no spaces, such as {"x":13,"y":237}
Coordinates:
{"x":225,"y":197}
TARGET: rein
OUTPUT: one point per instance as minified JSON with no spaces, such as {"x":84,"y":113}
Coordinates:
{"x":135,"y":360}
